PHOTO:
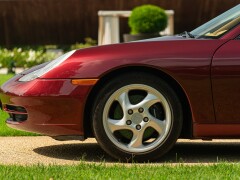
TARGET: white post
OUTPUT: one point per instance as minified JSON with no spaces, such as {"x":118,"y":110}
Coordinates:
{"x":108,"y":32}
{"x":170,"y":27}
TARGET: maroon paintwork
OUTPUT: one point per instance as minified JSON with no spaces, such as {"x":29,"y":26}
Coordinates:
{"x":208,"y":71}
{"x":54,"y":106}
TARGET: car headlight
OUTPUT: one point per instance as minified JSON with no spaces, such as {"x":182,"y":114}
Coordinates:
{"x":38,"y":73}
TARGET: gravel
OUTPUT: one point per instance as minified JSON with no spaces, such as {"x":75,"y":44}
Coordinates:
{"x":45,"y":150}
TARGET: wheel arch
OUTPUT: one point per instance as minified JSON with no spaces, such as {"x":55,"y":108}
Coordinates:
{"x":187,"y":115}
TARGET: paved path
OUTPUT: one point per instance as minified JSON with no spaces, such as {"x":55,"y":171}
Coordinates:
{"x":45,"y":150}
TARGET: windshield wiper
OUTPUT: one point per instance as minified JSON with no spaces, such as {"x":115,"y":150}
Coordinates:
{"x":187,"y":34}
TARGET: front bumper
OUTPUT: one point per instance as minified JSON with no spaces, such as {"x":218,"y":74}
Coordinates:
{"x":53,"y":107}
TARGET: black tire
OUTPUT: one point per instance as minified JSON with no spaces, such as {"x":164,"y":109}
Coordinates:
{"x":128,"y":149}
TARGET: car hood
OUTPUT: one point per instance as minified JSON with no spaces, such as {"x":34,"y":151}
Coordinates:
{"x":163,"y":38}
{"x":158,"y":53}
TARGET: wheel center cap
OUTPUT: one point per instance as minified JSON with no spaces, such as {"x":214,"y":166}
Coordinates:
{"x":137,"y":118}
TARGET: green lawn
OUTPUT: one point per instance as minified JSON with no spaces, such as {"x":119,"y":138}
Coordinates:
{"x":4,"y":130}
{"x":103,"y":171}
{"x":5,"y":77}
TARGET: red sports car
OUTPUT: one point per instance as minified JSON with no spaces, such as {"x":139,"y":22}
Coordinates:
{"x":136,"y":98}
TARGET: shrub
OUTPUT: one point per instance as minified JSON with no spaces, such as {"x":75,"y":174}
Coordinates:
{"x":27,"y":57}
{"x":147,"y":19}
{"x":23,"y":58}
{"x":88,"y":43}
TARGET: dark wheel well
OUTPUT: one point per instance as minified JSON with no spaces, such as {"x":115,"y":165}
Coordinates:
{"x":187,"y":117}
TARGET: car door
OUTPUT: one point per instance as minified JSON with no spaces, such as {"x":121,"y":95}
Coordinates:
{"x":225,"y":74}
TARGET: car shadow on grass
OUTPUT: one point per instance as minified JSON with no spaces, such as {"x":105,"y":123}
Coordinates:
{"x":182,"y":152}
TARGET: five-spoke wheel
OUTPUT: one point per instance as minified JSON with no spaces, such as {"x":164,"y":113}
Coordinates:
{"x":137,"y":116}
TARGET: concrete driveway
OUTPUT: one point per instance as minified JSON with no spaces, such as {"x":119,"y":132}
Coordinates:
{"x":45,"y":150}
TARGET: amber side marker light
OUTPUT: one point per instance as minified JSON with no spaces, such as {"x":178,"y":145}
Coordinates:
{"x":84,"y":81}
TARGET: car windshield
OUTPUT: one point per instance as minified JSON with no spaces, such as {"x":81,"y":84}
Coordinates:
{"x":219,"y":25}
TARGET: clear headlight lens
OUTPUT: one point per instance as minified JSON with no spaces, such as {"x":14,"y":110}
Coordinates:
{"x":38,"y":73}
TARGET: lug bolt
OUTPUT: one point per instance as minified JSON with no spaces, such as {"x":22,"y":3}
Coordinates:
{"x":140,"y":110}
{"x":130,"y":112}
{"x":129,"y":122}
{"x":145,"y":119}
{"x":138,"y":127}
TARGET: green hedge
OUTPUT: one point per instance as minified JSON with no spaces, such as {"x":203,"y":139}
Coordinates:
{"x":27,"y":57}
{"x":23,"y":58}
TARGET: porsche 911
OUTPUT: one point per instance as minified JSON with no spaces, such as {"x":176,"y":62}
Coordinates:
{"x":136,"y":98}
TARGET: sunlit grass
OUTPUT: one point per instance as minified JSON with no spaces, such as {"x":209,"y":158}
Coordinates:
{"x":103,"y":171}
{"x":5,"y":77}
